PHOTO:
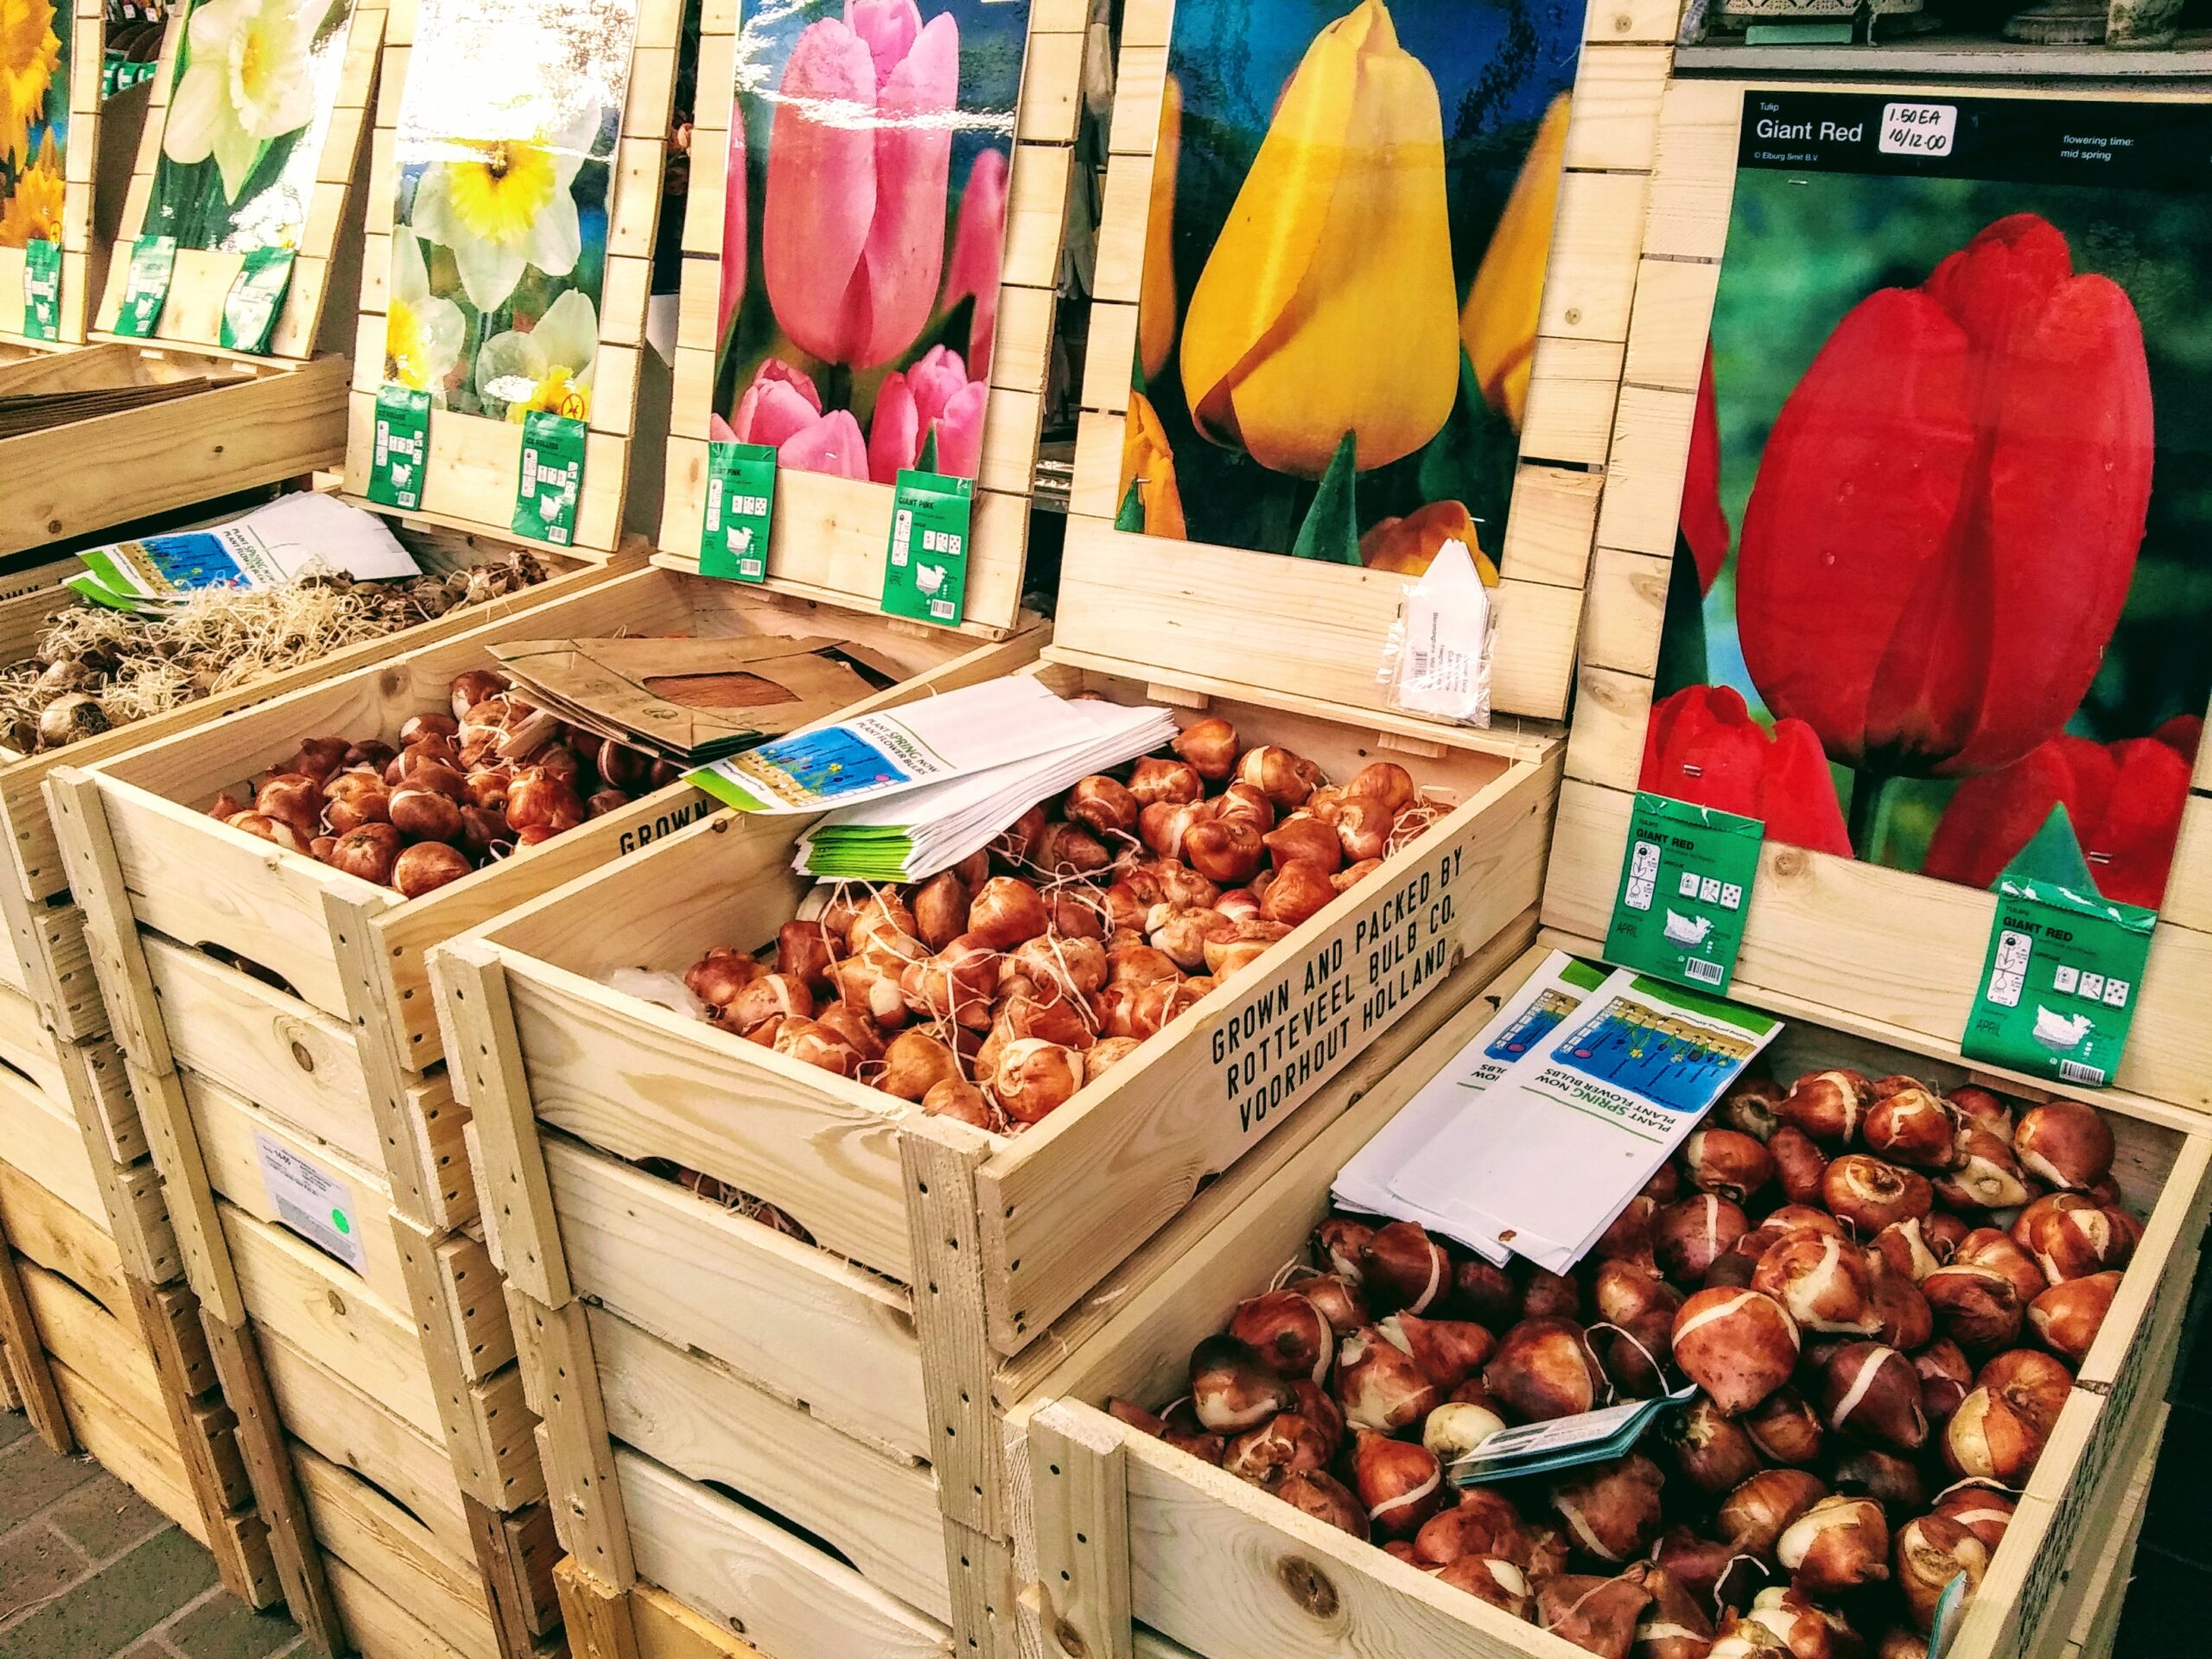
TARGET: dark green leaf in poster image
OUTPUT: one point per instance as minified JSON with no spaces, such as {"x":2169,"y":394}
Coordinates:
{"x":1949,"y":504}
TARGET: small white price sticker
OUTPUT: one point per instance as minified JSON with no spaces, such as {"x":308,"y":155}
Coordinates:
{"x":1918,"y":128}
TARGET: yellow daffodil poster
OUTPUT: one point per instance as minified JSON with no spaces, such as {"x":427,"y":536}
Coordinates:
{"x":1351,"y":209}
{"x":34,"y":119}
{"x":869,"y":154}
{"x":255,"y":85}
{"x":506,"y":136}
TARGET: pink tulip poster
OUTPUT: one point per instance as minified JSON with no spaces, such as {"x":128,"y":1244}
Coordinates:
{"x":507,"y":133}
{"x":870,"y":152}
{"x":1945,"y":555}
{"x":1352,"y":205}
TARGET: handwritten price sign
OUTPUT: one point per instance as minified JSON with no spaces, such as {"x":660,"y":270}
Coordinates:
{"x":1918,"y":128}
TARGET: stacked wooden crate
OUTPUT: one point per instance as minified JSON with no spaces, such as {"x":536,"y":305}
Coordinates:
{"x":277,"y":1014}
{"x":1130,"y":1529}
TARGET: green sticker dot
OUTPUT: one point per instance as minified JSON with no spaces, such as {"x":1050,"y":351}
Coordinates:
{"x":337,"y":1220}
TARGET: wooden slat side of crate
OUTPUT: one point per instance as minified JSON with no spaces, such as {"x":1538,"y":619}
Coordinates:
{"x":325,"y":244}
{"x":474,"y":465}
{"x":831,"y":536}
{"x":1214,"y":1564}
{"x":2098,"y":1625}
{"x":1820,"y":930}
{"x":245,"y":430}
{"x":1140,"y":602}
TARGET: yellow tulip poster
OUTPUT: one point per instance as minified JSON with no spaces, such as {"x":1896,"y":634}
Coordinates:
{"x":255,"y":85}
{"x":504,"y":151}
{"x":1352,"y":205}
{"x":34,"y":119}
{"x":869,"y":154}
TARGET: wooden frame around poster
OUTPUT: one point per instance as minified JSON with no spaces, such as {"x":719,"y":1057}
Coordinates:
{"x":832,"y":536}
{"x":1899,"y":953}
{"x":192,"y":314}
{"x":1134,"y":603}
{"x":475,"y":462}
{"x":79,"y":167}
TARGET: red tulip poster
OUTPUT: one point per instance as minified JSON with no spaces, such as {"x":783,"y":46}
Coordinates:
{"x":1352,"y":205}
{"x":870,"y":152}
{"x":1945,"y":559}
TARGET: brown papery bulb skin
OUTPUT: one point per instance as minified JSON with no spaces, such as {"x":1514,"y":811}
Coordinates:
{"x":1448,"y":1352}
{"x":1868,"y":1195}
{"x":279,"y":830}
{"x":426,"y":866}
{"x":1007,"y":912}
{"x":1612,"y":1510}
{"x":1711,"y":1449}
{"x":1749,"y":1106}
{"x":1821,"y":1281}
{"x":1501,"y":1583}
{"x":1912,"y":1125}
{"x":1285,"y":1444}
{"x":1103,"y":806}
{"x":1165,"y":826}
{"x":1154,"y":782}
{"x":1550,"y":1295}
{"x":1340,"y":1242}
{"x":1300,"y":891}
{"x":1840,"y":1544}
{"x":1990,"y":1247}
{"x":1945,"y":1376}
{"x":1739,"y":1345}
{"x":957,"y":1098}
{"x":2070,"y":1236}
{"x":1799,"y":1163}
{"x":1872,"y":1394}
{"x":1379,"y":1383}
{"x":1784,"y":1428}
{"x":1325,"y":1499}
{"x":353,"y":798}
{"x":1829,"y":1106}
{"x":2067,"y":1317}
{"x":1287,"y":1332}
{"x":1543,"y":1369}
{"x":1210,"y":747}
{"x":1232,"y":1389}
{"x":1752,"y":1517}
{"x":1382,"y":780}
{"x":1903,"y":1245}
{"x":368,"y":852}
{"x":1687,"y":1236}
{"x":1727,"y":1162}
{"x":1284,"y":778}
{"x":1229,"y":854}
{"x":1929,"y":1552}
{"x":1978,"y":1307}
{"x":1399,"y":1482}
{"x":1402,"y":1269}
{"x":2065,"y":1142}
{"x":1034,"y":1077}
{"x":1983,"y":1507}
{"x":472,"y":686}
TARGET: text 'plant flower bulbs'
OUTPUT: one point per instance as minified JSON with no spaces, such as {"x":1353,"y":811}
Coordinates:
{"x":1703,"y":747}
{"x":859,"y":163}
{"x":1327,"y":305}
{"x":1947,"y":514}
{"x":2124,"y":799}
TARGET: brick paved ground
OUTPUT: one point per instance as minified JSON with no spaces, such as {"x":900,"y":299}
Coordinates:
{"x":90,"y":1571}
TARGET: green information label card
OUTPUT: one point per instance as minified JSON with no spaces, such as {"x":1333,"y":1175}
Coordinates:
{"x":741,"y":502}
{"x":41,"y":290}
{"x":256,"y":296}
{"x":402,"y":450}
{"x":926,"y":575}
{"x":552,"y":477}
{"x":146,"y":288}
{"x":1685,"y":889}
{"x":2060,"y":981}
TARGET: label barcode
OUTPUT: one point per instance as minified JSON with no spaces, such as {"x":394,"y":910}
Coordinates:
{"x":2075,"y":1072}
{"x":1706,"y":973}
{"x":313,"y":1229}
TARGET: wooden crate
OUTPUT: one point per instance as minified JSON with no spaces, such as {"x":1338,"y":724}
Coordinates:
{"x":84,"y":251}
{"x":2097,"y":1626}
{"x":832,"y":536}
{"x":251,"y":426}
{"x":640,"y":1419}
{"x":340,"y":1067}
{"x":474,"y":463}
{"x":45,"y":954}
{"x":1128,"y":1527}
{"x":328,"y":247}
{"x":1821,"y":932}
{"x":1135,"y":603}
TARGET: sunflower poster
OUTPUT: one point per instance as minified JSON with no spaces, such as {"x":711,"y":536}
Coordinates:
{"x":869,"y":153}
{"x":504,"y":145}
{"x":1942,"y":565}
{"x":1351,"y":209}
{"x":34,"y":119}
{"x":255,"y":85}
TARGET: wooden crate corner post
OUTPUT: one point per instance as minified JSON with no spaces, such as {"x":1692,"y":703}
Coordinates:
{"x":1079,"y":1482}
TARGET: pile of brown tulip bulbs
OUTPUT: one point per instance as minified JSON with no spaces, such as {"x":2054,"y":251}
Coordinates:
{"x":996,"y":989}
{"x":1880,"y":1291}
{"x":443,"y":801}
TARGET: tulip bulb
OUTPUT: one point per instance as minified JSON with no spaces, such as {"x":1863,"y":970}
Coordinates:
{"x":1210,"y":747}
{"x":1945,"y":1376}
{"x":426,"y":866}
{"x":1753,"y":1516}
{"x":1739,"y":1345}
{"x":1799,"y":1163}
{"x":2064,"y":1142}
{"x":1155,"y":782}
{"x":1402,"y":1267}
{"x":1448,"y":1352}
{"x":1612,"y":1510}
{"x":1727,"y":1162}
{"x":1841,"y":1543}
{"x":1931,"y":1551}
{"x":1978,"y":1307}
{"x":1325,"y":1499}
{"x":1284,"y":1444}
{"x":368,"y":852}
{"x":1288,"y":1333}
{"x":1379,"y":1383}
{"x":1749,"y":1106}
{"x":1912,"y":1125}
{"x":1829,"y":1106}
{"x":1872,"y":1393}
{"x":1493,"y":1579}
{"x":1821,"y":1281}
{"x":1543,"y":1369}
{"x":1232,"y":1389}
{"x":2071,"y":1236}
{"x":1285,"y":779}
{"x":1784,"y":1428}
{"x":1398,"y":1482}
{"x":1104,"y":806}
{"x":1034,"y":1077}
{"x":1711,"y":1449}
{"x":1989,"y":1247}
{"x":1983,"y":1175}
{"x":1455,"y":1428}
{"x":1868,"y":1195}
{"x":1688,"y":1236}
{"x":2067,"y":1317}
{"x":1598,"y":1614}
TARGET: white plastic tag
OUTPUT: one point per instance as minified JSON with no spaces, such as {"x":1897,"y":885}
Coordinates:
{"x":316,"y":1206}
{"x":1439,"y":660}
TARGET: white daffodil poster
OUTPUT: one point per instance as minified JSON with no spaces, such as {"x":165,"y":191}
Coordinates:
{"x":256,"y":83}
{"x":506,"y":142}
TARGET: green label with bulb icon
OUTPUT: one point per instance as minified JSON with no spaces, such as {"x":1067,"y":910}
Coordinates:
{"x":740,"y":506}
{"x":1684,"y":892}
{"x":925,"y":575}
